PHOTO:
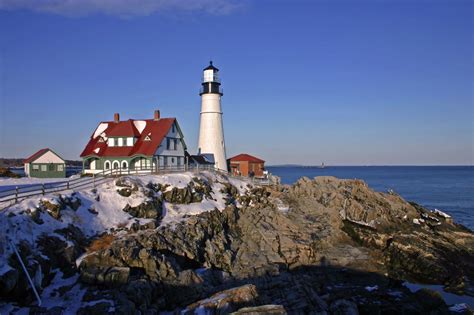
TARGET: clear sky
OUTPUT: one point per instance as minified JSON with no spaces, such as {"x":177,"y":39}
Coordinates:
{"x":374,"y":82}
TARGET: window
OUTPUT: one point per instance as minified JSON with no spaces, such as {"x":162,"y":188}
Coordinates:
{"x":124,"y":164}
{"x":44,"y":168}
{"x":60,"y":167}
{"x":107,"y":165}
{"x":35,"y":167}
{"x":115,"y":142}
{"x":172,"y":160}
{"x":173,"y":129}
{"x":168,"y":144}
{"x":175,"y":144}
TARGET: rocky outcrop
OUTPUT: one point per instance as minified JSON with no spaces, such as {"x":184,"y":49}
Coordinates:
{"x":335,"y":247}
{"x":225,"y":301}
{"x":330,"y":222}
{"x":151,"y":209}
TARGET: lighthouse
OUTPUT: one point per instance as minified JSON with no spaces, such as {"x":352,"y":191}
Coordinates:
{"x":211,"y":129}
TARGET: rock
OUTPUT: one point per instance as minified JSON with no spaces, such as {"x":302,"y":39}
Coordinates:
{"x":96,"y":309}
{"x":262,"y":309}
{"x":125,"y":192}
{"x":151,"y":209}
{"x":35,"y":216}
{"x":93,"y":211}
{"x":225,"y":302}
{"x":431,"y":300}
{"x":8,"y":281}
{"x":53,"y":209}
{"x":326,"y":253}
{"x":343,"y":307}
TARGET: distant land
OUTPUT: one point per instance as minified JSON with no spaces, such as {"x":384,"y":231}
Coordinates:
{"x":18,"y":162}
{"x":372,"y":165}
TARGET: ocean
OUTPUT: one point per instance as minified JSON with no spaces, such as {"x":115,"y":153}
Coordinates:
{"x":447,"y":188}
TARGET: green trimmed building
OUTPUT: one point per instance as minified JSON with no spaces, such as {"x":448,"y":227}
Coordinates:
{"x":135,"y":145}
{"x":45,"y":164}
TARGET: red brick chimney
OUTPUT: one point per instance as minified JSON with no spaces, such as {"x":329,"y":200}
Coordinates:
{"x":116,"y":117}
{"x":156,"y":116}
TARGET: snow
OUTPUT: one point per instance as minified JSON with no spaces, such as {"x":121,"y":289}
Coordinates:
{"x":372,"y":288}
{"x":17,"y":225}
{"x":175,"y":213}
{"x":140,"y":125}
{"x":100,"y":129}
{"x":96,"y":150}
{"x":459,"y":308}
{"x":7,"y":183}
{"x":416,"y":221}
{"x":441,"y":213}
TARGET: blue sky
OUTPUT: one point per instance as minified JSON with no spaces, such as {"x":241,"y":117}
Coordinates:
{"x":374,"y":82}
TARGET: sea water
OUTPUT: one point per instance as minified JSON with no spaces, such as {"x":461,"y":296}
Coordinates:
{"x":447,"y":188}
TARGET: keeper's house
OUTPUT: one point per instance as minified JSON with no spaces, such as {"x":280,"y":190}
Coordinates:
{"x":45,"y":164}
{"x":134,"y":145}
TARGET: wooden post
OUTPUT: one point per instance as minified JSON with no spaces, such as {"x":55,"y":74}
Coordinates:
{"x":42,"y":188}
{"x":68,"y":185}
{"x":16,"y":194}
{"x":93,"y":179}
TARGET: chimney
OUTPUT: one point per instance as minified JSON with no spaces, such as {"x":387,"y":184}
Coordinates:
{"x":156,"y":116}
{"x":116,"y":117}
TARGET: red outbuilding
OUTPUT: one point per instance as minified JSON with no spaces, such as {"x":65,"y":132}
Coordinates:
{"x":246,"y":165}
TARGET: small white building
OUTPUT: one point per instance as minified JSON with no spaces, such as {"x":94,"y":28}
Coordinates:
{"x":45,"y":164}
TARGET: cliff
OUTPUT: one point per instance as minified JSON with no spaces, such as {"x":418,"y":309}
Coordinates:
{"x":207,"y":243}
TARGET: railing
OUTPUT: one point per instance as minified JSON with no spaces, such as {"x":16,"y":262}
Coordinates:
{"x":11,"y":196}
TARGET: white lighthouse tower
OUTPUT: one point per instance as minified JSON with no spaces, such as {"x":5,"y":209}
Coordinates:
{"x":211,"y":130}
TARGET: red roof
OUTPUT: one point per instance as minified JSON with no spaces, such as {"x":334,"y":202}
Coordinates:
{"x":246,"y":158}
{"x":155,"y":129}
{"x":36,"y":155}
{"x":124,"y":129}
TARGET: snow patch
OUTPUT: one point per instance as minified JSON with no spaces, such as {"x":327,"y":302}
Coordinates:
{"x":100,"y":129}
{"x":372,"y":288}
{"x":140,"y":125}
{"x":96,"y":150}
{"x":459,"y":308}
{"x":441,"y":213}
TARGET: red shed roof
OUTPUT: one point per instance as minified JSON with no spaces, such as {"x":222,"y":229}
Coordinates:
{"x":36,"y":155}
{"x":155,"y":130}
{"x":243,"y":157}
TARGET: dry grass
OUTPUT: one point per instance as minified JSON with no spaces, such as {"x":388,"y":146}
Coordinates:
{"x":101,"y":243}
